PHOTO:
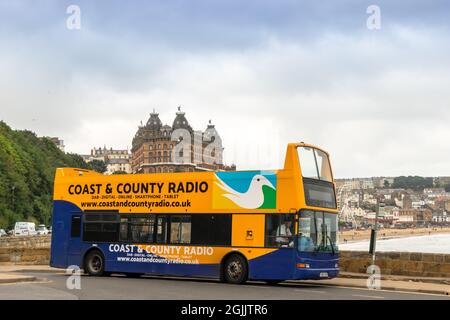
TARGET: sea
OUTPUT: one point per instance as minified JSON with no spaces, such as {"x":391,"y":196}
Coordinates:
{"x":436,"y":243}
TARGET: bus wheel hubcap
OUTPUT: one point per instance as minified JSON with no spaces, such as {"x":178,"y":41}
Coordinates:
{"x":234,"y":269}
{"x":96,"y":263}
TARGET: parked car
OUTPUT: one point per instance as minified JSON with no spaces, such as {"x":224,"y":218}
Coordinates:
{"x":50,"y":230}
{"x":24,"y":229}
{"x":3,"y":233}
{"x":42,"y":229}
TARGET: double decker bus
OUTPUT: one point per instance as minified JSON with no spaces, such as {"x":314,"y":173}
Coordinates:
{"x":272,"y":225}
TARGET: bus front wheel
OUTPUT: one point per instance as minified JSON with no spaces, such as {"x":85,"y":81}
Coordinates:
{"x":235,"y":269}
{"x":94,"y":263}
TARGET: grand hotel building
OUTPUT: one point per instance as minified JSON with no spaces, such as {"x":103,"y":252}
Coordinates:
{"x":152,"y":148}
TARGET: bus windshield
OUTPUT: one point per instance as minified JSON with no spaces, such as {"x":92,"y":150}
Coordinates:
{"x":314,"y":164}
{"x":317,"y":231}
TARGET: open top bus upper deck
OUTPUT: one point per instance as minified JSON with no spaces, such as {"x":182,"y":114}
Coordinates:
{"x":305,"y":182}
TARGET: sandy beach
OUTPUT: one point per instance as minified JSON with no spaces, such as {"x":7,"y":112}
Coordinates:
{"x":353,"y":235}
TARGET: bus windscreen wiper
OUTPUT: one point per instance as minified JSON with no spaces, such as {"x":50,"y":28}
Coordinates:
{"x":331,"y":243}
{"x":326,"y":236}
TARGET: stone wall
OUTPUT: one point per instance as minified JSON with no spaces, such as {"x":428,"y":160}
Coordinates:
{"x":25,"y":249}
{"x":36,"y":250}
{"x":25,"y":256}
{"x":398,"y":263}
{"x":26,"y":242}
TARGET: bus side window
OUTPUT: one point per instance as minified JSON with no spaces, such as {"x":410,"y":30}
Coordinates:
{"x":124,"y":229}
{"x":161,"y":230}
{"x":279,"y":230}
{"x":75,"y":228}
{"x":101,"y":227}
{"x":211,"y":229}
{"x":272,"y":222}
{"x":137,"y":229}
{"x":180,"y":229}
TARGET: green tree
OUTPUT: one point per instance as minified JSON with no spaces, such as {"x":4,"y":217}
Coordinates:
{"x":27,"y":170}
{"x":119,"y":172}
{"x":413,"y":182}
{"x":98,"y":166}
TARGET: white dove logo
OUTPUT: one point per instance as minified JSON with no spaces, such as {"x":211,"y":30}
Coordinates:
{"x":253,"y":198}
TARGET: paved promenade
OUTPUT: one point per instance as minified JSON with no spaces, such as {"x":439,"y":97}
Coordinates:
{"x":360,"y":235}
{"x":392,"y":287}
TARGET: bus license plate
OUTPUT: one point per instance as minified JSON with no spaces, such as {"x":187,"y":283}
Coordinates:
{"x":324,"y":275}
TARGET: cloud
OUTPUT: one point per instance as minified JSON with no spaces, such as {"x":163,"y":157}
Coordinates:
{"x":266,"y":75}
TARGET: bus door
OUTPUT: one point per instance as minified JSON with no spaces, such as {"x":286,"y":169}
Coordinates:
{"x":279,"y":236}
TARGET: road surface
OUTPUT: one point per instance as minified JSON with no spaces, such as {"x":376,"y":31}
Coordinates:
{"x":53,"y":286}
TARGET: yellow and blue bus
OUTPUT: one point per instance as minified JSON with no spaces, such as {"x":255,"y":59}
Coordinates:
{"x":243,"y":225}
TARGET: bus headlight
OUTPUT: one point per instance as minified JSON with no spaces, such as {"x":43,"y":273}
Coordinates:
{"x":302,"y":265}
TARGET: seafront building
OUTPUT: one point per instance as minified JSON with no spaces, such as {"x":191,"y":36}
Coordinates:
{"x":154,"y":143}
{"x":358,"y":201}
{"x":116,"y":160}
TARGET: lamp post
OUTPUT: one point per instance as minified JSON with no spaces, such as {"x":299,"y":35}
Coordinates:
{"x":374,"y":279}
{"x":373,"y":236}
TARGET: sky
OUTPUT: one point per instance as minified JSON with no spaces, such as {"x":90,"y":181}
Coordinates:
{"x":265,"y":72}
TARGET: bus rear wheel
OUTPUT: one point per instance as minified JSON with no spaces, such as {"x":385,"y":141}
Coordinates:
{"x":95,"y":264}
{"x":235,"y":269}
